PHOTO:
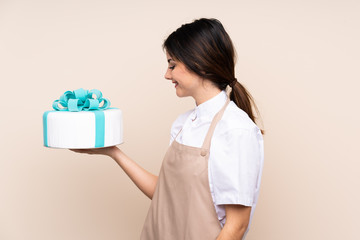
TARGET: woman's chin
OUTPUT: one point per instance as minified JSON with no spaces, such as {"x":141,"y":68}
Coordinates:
{"x":179,"y":93}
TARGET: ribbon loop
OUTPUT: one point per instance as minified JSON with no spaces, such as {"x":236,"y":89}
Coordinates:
{"x":66,"y":96}
{"x":98,"y":94}
{"x":81,"y":100}
{"x":91,"y":104}
{"x":106,"y":103}
{"x":81,"y":94}
{"x":75,"y":105}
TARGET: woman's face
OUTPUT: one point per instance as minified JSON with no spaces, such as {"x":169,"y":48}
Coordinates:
{"x":186,"y":82}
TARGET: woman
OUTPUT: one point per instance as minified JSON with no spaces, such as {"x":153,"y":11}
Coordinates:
{"x":209,"y":180}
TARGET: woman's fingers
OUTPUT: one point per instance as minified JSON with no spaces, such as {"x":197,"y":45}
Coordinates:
{"x":103,"y":151}
{"x":89,"y":151}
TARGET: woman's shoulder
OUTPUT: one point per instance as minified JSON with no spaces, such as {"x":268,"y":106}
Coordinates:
{"x":236,"y":118}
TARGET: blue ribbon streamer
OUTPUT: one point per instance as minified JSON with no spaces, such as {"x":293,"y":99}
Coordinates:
{"x":100,"y":129}
{"x":45,"y":127}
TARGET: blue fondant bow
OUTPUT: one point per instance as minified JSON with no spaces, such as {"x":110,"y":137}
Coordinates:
{"x":81,"y":100}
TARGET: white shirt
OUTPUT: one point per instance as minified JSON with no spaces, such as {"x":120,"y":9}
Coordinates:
{"x":236,"y":152}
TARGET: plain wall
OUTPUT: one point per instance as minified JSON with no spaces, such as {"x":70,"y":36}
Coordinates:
{"x":299,"y":60}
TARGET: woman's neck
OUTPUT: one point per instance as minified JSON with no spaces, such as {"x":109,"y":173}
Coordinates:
{"x":205,"y":93}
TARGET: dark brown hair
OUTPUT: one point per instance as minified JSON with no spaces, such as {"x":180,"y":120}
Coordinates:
{"x":206,"y":49}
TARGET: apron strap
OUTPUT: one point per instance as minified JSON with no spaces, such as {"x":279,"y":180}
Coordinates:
{"x":177,"y":134}
{"x":206,"y":145}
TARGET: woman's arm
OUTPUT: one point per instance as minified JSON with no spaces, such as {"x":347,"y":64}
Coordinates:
{"x":143,"y":179}
{"x":237,"y":221}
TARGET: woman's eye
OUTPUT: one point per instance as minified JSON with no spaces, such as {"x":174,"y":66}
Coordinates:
{"x":172,"y":67}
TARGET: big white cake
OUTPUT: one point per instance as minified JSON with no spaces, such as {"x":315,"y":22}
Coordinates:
{"x":83,"y":129}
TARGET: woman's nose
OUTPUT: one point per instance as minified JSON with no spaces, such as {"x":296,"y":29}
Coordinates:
{"x":168,"y":74}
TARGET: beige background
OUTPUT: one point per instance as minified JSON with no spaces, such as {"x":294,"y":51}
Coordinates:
{"x":299,"y":59}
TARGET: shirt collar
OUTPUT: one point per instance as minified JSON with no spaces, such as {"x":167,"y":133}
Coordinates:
{"x":211,"y":106}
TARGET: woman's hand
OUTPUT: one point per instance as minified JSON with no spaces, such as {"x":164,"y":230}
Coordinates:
{"x":143,"y":179}
{"x":108,"y":151}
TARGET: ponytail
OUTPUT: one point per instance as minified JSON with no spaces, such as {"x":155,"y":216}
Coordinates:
{"x":243,"y":99}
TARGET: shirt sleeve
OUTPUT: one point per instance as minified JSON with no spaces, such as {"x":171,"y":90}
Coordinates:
{"x":236,"y":166}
